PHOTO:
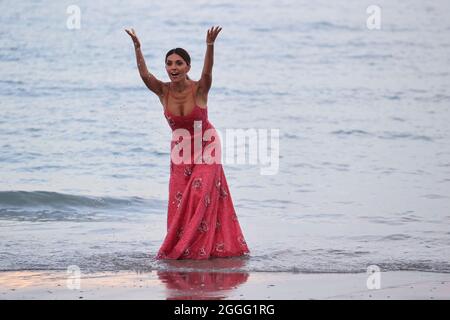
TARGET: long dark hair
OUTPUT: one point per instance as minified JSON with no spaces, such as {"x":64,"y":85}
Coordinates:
{"x":183,"y":54}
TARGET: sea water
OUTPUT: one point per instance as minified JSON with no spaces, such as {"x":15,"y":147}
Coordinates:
{"x":364,"y":160}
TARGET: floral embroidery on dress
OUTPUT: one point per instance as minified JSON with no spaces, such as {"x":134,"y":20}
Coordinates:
{"x":217,"y":224}
{"x":203,"y":227}
{"x":202,"y":252}
{"x":197,"y":183}
{"x":207,"y":200}
{"x":170,"y":121}
{"x":223,"y":193}
{"x":186,"y":252}
{"x":242,"y":240}
{"x":187,"y":171}
{"x":180,"y":232}
{"x":218,"y":184}
{"x":178,"y":198}
{"x":220,"y":247}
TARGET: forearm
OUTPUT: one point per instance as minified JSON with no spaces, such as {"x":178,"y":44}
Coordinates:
{"x":209,"y":60}
{"x":142,"y":67}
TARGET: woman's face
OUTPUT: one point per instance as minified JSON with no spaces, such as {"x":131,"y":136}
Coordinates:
{"x":176,"y":67}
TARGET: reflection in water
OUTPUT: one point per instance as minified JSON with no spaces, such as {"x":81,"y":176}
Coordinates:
{"x":203,"y":283}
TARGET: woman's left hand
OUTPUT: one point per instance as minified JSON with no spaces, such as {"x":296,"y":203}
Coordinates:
{"x":212,"y":34}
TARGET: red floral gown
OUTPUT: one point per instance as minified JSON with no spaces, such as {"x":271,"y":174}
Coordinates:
{"x":201,"y":220}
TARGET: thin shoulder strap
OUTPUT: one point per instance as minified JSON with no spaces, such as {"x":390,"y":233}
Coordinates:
{"x":193,"y":91}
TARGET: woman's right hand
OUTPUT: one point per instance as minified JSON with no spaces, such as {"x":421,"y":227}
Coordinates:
{"x":132,"y":33}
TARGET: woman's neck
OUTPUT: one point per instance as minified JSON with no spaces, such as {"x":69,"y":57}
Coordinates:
{"x":180,"y":86}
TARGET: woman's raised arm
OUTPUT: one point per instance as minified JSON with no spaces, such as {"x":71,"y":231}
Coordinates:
{"x":149,"y":79}
{"x":206,"y":78}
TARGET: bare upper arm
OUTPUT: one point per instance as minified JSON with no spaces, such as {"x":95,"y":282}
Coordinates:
{"x":155,"y":85}
{"x":204,"y":84}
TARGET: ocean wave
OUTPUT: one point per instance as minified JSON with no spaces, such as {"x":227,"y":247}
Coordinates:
{"x":38,"y":198}
{"x":404,"y":135}
{"x":327,"y":26}
{"x":54,"y":206}
{"x":354,"y":132}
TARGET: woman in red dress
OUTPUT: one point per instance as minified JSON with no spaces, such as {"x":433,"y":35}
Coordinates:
{"x":201,"y":220}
